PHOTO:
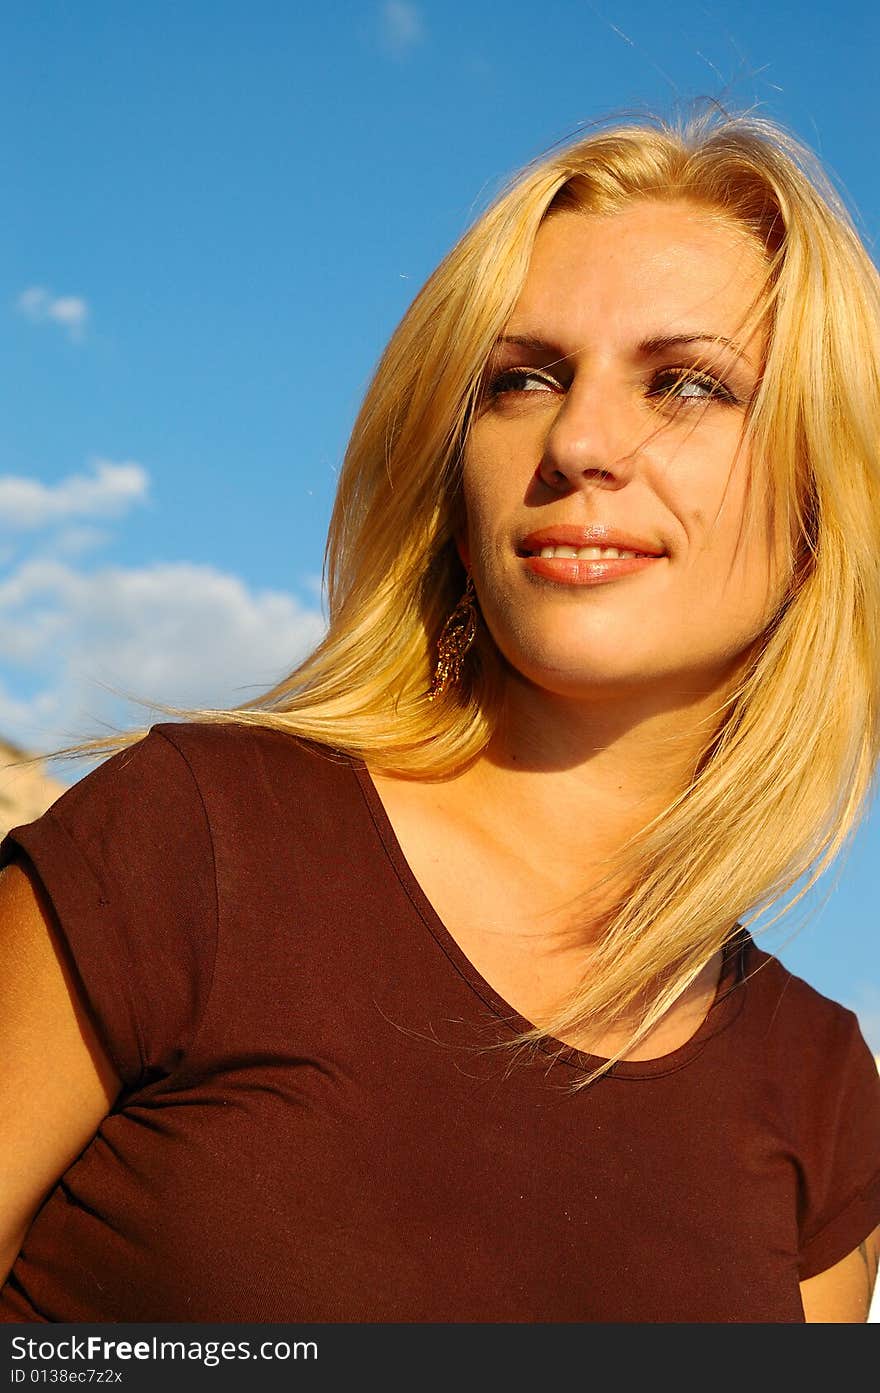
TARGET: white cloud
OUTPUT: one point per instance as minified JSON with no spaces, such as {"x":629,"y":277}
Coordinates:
{"x":179,"y":633}
{"x":78,"y":638}
{"x":40,"y":306}
{"x":76,"y":541}
{"x":402,"y":25}
{"x":28,"y":504}
{"x":19,"y":714}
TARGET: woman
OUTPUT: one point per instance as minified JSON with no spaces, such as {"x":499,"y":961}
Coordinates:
{"x":420,"y":990}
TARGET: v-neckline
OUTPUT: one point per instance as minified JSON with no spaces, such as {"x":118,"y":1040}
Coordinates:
{"x":725,"y":1005}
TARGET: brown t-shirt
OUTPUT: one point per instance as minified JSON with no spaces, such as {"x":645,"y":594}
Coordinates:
{"x":314,"y":1125}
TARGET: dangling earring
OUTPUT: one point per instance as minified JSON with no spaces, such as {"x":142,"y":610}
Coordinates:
{"x":457,"y":635}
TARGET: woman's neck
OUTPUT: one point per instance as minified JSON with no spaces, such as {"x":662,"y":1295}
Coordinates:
{"x":577,"y":780}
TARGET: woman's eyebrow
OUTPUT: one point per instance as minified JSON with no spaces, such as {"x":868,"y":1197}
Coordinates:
{"x":524,"y":341}
{"x":658,"y":343}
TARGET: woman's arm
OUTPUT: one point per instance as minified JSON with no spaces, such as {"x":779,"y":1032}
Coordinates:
{"x":843,"y":1292}
{"x":56,"y":1083}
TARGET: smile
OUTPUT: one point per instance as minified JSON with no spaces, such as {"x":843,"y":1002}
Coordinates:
{"x":565,"y":566}
{"x":594,"y":555}
{"x":586,"y":553}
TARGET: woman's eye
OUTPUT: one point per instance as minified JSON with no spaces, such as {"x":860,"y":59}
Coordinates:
{"x":682,"y":384}
{"x":521,"y":380}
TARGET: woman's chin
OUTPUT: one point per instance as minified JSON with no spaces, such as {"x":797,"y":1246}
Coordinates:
{"x":640,"y":683}
{"x":588,"y":681}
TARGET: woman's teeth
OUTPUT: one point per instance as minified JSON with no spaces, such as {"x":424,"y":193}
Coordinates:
{"x":588,"y":553}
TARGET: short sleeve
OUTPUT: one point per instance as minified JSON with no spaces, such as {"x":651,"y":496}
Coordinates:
{"x":125,"y":857}
{"x":841,"y":1173}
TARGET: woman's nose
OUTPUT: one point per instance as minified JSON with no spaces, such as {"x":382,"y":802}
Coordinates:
{"x":593,"y":440}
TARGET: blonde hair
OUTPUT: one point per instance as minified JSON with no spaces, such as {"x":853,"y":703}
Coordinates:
{"x":786,"y":772}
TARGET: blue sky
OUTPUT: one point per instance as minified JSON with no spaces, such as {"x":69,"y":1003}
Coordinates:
{"x":214,"y":214}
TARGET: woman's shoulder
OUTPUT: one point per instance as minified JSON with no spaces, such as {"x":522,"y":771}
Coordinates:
{"x":220,"y":740}
{"x":808,"y":1059}
{"x":178,"y":784}
{"x":176,"y":759}
{"x":231,"y":760}
{"x":805,"y":1033}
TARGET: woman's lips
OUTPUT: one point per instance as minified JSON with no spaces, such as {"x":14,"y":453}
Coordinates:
{"x":586,"y":570}
{"x":571,"y":570}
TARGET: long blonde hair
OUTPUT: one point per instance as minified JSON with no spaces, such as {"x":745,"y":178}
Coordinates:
{"x":785,"y":774}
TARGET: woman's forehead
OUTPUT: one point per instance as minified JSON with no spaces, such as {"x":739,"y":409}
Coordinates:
{"x":651,"y":269}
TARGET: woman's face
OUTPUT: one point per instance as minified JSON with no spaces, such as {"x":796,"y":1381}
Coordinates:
{"x":612,"y":418}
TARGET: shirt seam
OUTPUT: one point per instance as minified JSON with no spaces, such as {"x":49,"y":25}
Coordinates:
{"x":202,"y":1016}
{"x":122,"y":954}
{"x":860,"y":1196}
